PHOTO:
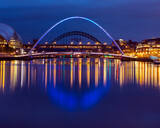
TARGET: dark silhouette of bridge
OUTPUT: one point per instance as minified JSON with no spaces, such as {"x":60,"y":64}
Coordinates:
{"x":77,"y":37}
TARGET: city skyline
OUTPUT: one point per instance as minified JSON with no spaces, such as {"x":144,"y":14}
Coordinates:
{"x":86,"y":63}
{"x":126,"y":19}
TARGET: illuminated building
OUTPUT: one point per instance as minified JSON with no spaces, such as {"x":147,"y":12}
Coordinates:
{"x":9,"y":39}
{"x":148,"y":47}
{"x":128,"y":47}
{"x":3,"y":43}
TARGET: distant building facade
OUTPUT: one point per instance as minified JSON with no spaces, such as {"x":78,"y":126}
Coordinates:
{"x":9,"y":39}
{"x":128,"y":47}
{"x":148,"y":47}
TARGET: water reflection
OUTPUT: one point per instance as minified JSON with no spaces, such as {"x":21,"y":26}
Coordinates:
{"x":96,"y":71}
{"x":141,"y":73}
{"x":54,"y":72}
{"x":71,"y":72}
{"x":104,"y":72}
{"x":46,"y":71}
{"x":88,"y":72}
{"x":2,"y":78}
{"x":77,"y":82}
{"x":14,"y":73}
{"x":29,"y":68}
{"x":80,"y":71}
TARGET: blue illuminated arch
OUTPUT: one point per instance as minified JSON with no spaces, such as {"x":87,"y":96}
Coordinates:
{"x":76,"y":17}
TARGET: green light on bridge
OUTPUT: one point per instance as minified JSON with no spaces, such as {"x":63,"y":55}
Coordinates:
{"x":71,"y":55}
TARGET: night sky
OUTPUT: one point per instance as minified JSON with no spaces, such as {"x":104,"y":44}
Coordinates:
{"x":126,"y":19}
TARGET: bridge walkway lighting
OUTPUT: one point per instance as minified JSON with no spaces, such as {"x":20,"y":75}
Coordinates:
{"x":97,"y":43}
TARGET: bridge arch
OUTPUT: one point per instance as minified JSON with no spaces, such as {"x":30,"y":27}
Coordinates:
{"x":76,"y":17}
{"x":79,"y":37}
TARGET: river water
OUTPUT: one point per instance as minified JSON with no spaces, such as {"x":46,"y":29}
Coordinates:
{"x":76,"y":92}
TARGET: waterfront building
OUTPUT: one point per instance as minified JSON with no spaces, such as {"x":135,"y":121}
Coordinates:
{"x":148,"y":47}
{"x":128,"y":47}
{"x":10,"y":40}
{"x":3,"y":43}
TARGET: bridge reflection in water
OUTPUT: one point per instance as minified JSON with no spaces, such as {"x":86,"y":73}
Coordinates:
{"x":68,"y":81}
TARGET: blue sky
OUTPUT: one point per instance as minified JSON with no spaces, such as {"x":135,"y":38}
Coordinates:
{"x":127,"y":19}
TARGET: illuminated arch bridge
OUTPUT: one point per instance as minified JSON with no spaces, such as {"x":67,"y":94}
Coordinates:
{"x":75,"y":41}
{"x":84,"y":34}
{"x":75,"y":34}
{"x":76,"y":37}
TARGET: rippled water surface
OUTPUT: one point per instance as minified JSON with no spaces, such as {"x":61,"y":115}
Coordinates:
{"x":78,"y":93}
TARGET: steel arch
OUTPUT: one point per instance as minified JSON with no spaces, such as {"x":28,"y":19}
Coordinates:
{"x":79,"y":33}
